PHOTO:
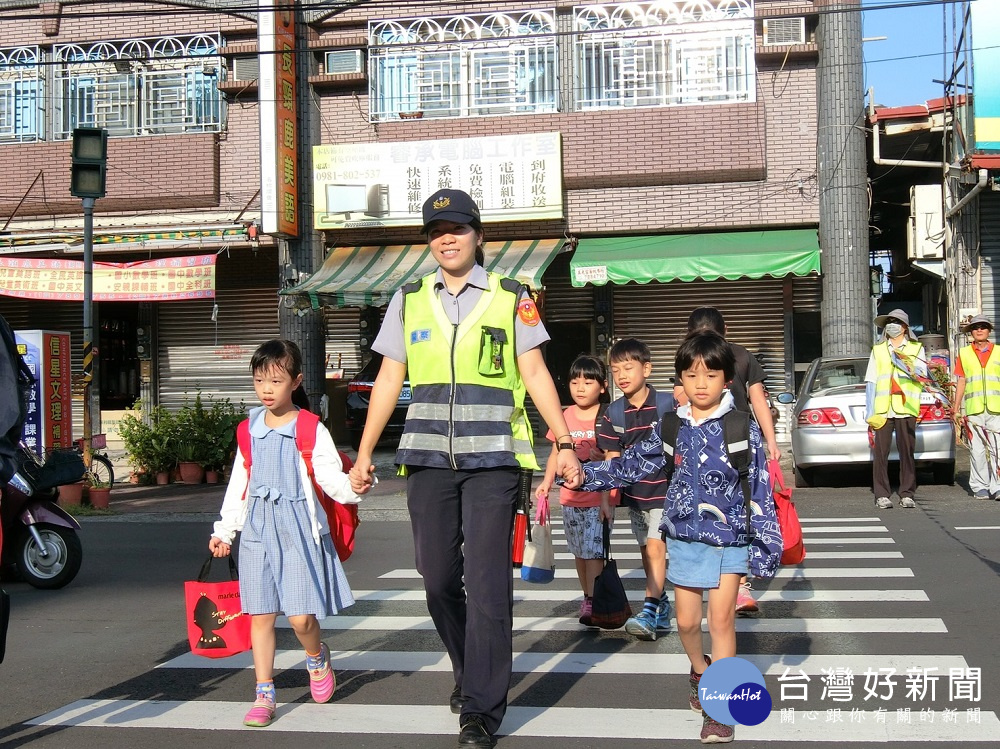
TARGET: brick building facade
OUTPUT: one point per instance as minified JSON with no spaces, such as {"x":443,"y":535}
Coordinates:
{"x":696,"y":161}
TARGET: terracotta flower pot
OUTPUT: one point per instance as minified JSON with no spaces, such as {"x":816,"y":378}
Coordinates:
{"x":211,"y":476}
{"x":162,"y":478}
{"x":191,"y":473}
{"x":100,"y":498}
{"x":71,"y":495}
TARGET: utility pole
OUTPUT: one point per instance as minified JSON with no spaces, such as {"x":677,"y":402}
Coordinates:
{"x":843,"y":180}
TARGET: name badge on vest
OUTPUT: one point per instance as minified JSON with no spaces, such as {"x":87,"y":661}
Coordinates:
{"x":420,"y":336}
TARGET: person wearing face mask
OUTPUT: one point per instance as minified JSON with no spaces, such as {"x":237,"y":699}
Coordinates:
{"x":893,"y":387}
{"x":977,"y":398}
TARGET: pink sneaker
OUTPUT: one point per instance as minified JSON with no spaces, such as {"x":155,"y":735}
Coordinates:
{"x":694,"y":681}
{"x":262,"y":712}
{"x":745,"y":603}
{"x":322,"y":681}
{"x":714,"y":732}
{"x":586,"y":611}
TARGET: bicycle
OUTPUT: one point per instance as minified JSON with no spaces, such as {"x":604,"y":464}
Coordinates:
{"x":100,"y":465}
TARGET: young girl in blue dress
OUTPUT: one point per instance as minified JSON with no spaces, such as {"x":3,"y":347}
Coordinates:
{"x":287,"y":560}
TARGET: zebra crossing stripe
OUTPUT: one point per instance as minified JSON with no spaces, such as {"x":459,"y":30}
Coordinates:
{"x":805,"y":572}
{"x":808,"y":529}
{"x":565,"y":624}
{"x":813,"y":555}
{"x":535,"y":722}
{"x":563,"y":595}
{"x":799,"y":571}
{"x":671,"y":664}
{"x":848,"y":540}
{"x":873,"y":519}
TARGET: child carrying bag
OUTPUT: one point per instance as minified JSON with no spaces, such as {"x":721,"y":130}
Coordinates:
{"x":788,"y":518}
{"x":539,"y":562}
{"x":216,"y":624}
{"x":342,"y":519}
{"x":611,"y":606}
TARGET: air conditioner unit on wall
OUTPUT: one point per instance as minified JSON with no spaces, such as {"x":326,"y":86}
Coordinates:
{"x":924,"y":227}
{"x":343,"y":61}
{"x":784,"y":31}
{"x":246,"y":68}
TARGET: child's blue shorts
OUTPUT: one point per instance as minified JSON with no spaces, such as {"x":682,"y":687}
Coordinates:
{"x":697,"y":565}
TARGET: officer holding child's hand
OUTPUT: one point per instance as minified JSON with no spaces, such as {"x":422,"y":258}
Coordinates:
{"x":469,"y":342}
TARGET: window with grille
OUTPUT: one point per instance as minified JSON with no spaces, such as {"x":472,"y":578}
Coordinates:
{"x":463,"y":66}
{"x":21,"y":95}
{"x":663,"y":53}
{"x":138,"y":87}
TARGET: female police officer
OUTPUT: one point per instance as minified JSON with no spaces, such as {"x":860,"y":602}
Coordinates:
{"x":469,"y":342}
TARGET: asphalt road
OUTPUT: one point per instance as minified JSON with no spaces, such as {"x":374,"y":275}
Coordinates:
{"x":104,"y":662}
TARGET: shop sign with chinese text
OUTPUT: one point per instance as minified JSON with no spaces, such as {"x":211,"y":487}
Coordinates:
{"x":162,"y":280}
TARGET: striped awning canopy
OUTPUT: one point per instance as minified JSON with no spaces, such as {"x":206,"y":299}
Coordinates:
{"x":686,"y":257}
{"x":369,"y":276}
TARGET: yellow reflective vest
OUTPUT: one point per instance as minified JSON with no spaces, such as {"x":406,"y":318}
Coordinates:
{"x":982,"y":384}
{"x":908,"y":401}
{"x":467,"y":406}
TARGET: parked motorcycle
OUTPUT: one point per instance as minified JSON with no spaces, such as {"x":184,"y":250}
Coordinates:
{"x":40,"y":537}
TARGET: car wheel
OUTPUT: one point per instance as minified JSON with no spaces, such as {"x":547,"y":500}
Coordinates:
{"x":944,"y":473}
{"x":804,"y":477}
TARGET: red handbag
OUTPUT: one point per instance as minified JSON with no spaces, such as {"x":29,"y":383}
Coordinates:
{"x":788,"y":518}
{"x":216,"y":624}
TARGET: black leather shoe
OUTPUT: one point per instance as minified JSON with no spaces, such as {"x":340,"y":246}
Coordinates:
{"x":457,"y":700}
{"x":474,"y":733}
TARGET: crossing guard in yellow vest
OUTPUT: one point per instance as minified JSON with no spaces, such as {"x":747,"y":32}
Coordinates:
{"x":977,"y":406}
{"x":470,"y":340}
{"x":893,"y":402}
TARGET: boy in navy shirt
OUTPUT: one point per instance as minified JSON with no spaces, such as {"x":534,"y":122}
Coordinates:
{"x":631,"y":366}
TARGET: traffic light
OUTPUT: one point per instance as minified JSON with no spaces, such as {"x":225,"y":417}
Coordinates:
{"x":90,"y":162}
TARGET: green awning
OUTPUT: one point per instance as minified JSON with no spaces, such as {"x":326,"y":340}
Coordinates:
{"x":686,"y":257}
{"x":369,"y":276}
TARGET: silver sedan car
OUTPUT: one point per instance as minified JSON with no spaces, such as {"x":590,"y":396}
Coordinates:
{"x":829,"y":428}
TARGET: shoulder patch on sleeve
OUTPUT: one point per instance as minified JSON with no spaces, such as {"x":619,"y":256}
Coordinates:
{"x":512,"y":285}
{"x":528,"y":312}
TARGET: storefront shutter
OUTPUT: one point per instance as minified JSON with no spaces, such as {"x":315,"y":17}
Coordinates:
{"x":989,"y":243}
{"x":65,"y":317}
{"x":198,"y":354}
{"x":343,"y":349}
{"x":563,"y":302}
{"x":657,"y":314}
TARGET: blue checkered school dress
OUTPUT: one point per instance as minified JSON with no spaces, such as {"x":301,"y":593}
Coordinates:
{"x":282,"y":569}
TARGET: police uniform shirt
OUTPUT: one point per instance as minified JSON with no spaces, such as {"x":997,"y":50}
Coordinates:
{"x":391,"y":340}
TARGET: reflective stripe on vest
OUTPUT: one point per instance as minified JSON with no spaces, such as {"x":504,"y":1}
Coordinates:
{"x":909,"y":402}
{"x":467,"y":405}
{"x":982,"y":384}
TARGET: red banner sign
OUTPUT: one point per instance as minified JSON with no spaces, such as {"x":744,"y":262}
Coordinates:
{"x":163,"y":280}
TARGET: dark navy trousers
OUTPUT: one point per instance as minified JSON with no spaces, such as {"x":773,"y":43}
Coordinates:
{"x":462,"y":524}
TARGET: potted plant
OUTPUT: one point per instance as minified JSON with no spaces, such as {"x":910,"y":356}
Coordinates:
{"x":149,"y":441}
{"x":98,"y":491}
{"x":71,"y":495}
{"x":220,"y":425}
{"x":189,"y":461}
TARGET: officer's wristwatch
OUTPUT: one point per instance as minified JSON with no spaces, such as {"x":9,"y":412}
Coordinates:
{"x":565,"y":446}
